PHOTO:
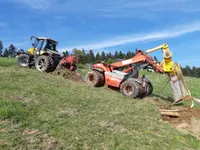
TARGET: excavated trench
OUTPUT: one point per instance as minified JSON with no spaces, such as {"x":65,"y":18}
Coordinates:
{"x":188,"y":120}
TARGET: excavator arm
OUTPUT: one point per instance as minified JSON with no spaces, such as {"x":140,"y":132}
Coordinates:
{"x":167,"y":63}
{"x":174,"y":72}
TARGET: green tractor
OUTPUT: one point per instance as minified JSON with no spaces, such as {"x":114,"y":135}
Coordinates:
{"x":43,"y":55}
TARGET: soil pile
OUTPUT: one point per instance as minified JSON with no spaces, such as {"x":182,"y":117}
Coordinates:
{"x":188,"y":121}
{"x":67,"y":74}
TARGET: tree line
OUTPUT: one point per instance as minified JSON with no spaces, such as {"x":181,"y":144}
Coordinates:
{"x":192,"y":72}
{"x":91,"y":57}
{"x":11,"y":51}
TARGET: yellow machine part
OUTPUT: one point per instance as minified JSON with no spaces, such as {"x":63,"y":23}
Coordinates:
{"x":32,"y":51}
{"x":168,"y":66}
{"x":177,"y":82}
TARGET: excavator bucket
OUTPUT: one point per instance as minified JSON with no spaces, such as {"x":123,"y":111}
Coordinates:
{"x":178,"y":85}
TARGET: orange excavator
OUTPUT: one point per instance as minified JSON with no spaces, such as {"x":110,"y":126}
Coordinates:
{"x":108,"y":73}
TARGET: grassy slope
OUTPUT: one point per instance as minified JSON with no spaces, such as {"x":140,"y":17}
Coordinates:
{"x":42,"y":111}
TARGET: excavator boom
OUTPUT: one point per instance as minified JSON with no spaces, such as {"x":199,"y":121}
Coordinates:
{"x":174,"y":72}
{"x":167,"y":62}
{"x":139,"y":58}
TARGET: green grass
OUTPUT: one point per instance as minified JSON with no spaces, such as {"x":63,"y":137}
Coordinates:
{"x":42,"y":111}
{"x":5,"y":62}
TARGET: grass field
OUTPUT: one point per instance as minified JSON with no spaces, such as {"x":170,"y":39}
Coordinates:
{"x":42,"y":111}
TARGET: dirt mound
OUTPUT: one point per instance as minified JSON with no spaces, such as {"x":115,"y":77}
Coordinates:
{"x":67,"y":74}
{"x":186,"y":114}
{"x":188,"y":122}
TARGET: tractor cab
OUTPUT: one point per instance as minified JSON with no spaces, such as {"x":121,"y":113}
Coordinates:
{"x":43,"y":55}
{"x":43,"y":45}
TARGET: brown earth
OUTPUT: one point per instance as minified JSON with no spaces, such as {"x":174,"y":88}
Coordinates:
{"x":188,"y":122}
{"x":67,"y":74}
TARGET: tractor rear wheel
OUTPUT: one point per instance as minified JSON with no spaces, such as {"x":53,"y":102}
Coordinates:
{"x":95,"y":78}
{"x":45,"y":64}
{"x":130,"y":88}
{"x":23,"y":60}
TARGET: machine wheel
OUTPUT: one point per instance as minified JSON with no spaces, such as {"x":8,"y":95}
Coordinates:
{"x":149,"y":88}
{"x":130,"y":88}
{"x":95,"y":79}
{"x":102,"y":79}
{"x":44,"y":64}
{"x":23,"y":60}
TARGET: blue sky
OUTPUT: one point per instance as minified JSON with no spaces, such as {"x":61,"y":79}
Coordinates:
{"x":106,"y":25}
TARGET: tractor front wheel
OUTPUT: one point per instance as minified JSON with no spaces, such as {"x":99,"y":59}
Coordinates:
{"x":95,"y":79}
{"x":23,"y":60}
{"x":130,"y":88}
{"x":44,"y":63}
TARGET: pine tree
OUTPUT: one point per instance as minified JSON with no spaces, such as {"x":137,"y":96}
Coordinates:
{"x":1,"y":47}
{"x":107,"y":56}
{"x":98,"y":58}
{"x":198,"y":72}
{"x":121,"y":56}
{"x":83,"y":57}
{"x":103,"y":56}
{"x":91,"y":57}
{"x":194,"y":72}
{"x":133,"y":54}
{"x":188,"y":71}
{"x":5,"y":54}
{"x":128,"y":54}
{"x":11,"y":50}
{"x":110,"y":55}
{"x":66,"y":53}
{"x":116,"y":55}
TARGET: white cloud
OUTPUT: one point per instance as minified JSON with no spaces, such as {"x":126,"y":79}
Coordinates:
{"x":162,"y":34}
{"x":113,"y":8}
{"x":37,"y":4}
